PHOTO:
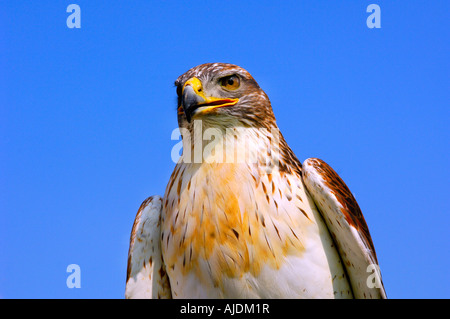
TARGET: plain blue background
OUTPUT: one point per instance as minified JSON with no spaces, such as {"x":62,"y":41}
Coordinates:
{"x":86,"y":116}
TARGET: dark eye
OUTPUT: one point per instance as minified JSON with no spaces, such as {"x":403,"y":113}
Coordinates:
{"x":179,"y":90}
{"x":231,"y":82}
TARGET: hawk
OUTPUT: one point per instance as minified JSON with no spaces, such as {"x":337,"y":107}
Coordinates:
{"x":262,"y":225}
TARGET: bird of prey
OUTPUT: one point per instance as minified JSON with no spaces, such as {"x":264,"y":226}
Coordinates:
{"x":263,"y":225}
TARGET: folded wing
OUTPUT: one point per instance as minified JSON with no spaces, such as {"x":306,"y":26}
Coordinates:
{"x":146,"y":275}
{"x":347,"y":226}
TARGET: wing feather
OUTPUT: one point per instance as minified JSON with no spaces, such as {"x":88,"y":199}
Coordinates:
{"x":146,"y":275}
{"x":347,"y":226}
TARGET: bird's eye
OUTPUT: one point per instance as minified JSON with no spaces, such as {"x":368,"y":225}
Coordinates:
{"x":231,"y":82}
{"x":179,"y":90}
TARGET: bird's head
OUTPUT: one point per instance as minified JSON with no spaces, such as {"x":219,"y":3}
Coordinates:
{"x":224,"y":95}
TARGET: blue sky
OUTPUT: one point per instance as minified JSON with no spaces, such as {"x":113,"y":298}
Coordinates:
{"x":86,"y":116}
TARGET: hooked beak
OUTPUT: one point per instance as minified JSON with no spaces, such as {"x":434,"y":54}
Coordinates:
{"x":194,"y":101}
